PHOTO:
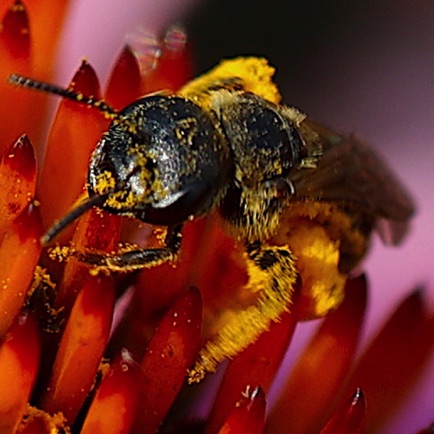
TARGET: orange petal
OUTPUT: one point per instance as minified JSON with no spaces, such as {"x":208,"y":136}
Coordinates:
{"x":74,"y":134}
{"x":15,"y":32}
{"x":19,"y":254}
{"x":18,"y":180}
{"x":97,"y":230}
{"x":247,"y":415}
{"x":310,"y":394}
{"x":256,"y":365}
{"x":125,"y":82}
{"x":19,"y":361}
{"x":15,"y":47}
{"x":169,"y":354}
{"x":43,"y":21}
{"x":28,"y":49}
{"x":114,"y":405}
{"x":81,"y":348}
{"x":350,"y":418}
{"x":391,"y":364}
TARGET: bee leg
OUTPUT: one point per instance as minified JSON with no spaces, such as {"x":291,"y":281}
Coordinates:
{"x":130,"y":260}
{"x":272,"y":275}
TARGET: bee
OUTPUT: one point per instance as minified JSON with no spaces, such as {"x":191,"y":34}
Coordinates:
{"x":302,"y":199}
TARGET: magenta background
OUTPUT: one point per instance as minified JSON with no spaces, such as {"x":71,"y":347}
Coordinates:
{"x":384,"y":90}
{"x":97,"y":29}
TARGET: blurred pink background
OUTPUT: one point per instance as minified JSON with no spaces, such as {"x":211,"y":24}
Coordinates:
{"x":97,"y":29}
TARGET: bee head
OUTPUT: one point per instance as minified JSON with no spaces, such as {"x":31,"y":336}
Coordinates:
{"x":162,"y":161}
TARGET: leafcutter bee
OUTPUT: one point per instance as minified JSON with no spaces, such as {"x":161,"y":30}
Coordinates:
{"x":302,"y":199}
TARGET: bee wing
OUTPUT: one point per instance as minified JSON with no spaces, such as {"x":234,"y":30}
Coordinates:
{"x":351,"y":172}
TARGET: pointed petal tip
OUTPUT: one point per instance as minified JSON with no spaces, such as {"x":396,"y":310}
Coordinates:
{"x":327,"y":359}
{"x":81,"y":348}
{"x":125,"y":83}
{"x":406,"y":336}
{"x":248,"y":415}
{"x":85,"y":80}
{"x":29,"y":223}
{"x":113,"y":407}
{"x":350,"y":418}
{"x":18,"y":179}
{"x":257,"y":364}
{"x":20,"y":157}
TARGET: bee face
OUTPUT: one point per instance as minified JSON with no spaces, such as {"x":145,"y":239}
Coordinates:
{"x":162,"y":160}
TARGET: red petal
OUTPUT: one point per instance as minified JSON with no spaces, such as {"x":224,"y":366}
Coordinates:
{"x":81,"y":348}
{"x":311,"y":391}
{"x":169,"y":354}
{"x":350,"y":418}
{"x":74,"y":135}
{"x":18,"y":180}
{"x":160,"y":285}
{"x":114,"y":406}
{"x":97,"y":230}
{"x":125,"y":82}
{"x":393,"y":361}
{"x":174,"y":67}
{"x":247,"y":416}
{"x":36,"y":426}
{"x":255,"y":365}
{"x":19,"y":254}
{"x":220,"y":272}
{"x":19,"y":361}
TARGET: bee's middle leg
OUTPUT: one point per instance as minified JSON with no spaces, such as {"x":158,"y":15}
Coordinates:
{"x":272,"y":275}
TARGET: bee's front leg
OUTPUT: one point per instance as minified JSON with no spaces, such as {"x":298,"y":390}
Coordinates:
{"x":133,"y":259}
{"x":272,"y":275}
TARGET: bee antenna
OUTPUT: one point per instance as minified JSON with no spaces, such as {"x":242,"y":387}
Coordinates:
{"x":70,"y":94}
{"x":72,"y":215}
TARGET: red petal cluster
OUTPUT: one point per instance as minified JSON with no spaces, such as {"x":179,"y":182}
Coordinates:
{"x":81,"y":374}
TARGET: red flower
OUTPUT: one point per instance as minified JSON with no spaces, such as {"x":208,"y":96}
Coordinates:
{"x":61,"y":367}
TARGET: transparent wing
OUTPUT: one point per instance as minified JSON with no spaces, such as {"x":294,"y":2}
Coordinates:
{"x":351,"y":172}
